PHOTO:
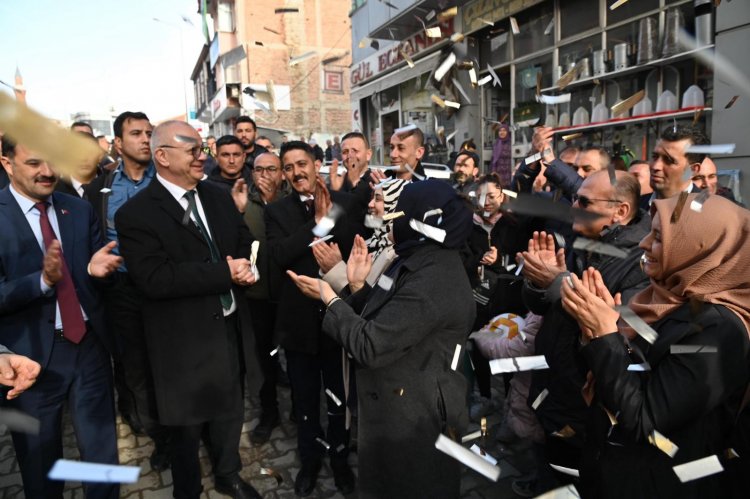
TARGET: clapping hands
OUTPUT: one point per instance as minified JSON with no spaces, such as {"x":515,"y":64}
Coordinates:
{"x":589,"y":301}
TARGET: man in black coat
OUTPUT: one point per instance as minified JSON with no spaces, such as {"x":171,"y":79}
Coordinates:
{"x":186,"y":247}
{"x":563,"y":411}
{"x":310,"y":354}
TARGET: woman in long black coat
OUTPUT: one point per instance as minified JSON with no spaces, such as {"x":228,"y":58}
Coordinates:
{"x":403,"y":335}
{"x":679,"y":406}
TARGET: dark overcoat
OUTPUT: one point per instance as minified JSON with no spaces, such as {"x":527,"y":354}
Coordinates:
{"x":186,"y":334}
{"x":404,"y":343}
{"x":690,"y":398}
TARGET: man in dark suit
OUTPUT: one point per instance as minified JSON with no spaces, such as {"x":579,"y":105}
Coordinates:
{"x":289,"y":224}
{"x":185,"y":247}
{"x":50,"y":248}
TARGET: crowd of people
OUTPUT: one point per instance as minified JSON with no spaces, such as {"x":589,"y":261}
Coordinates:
{"x":174,"y":273}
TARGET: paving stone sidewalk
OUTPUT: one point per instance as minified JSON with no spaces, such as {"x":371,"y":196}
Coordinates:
{"x":278,"y":454}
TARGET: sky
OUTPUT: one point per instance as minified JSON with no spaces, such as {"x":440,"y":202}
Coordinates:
{"x":94,"y":55}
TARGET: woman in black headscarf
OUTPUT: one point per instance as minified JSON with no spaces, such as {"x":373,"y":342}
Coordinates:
{"x":403,"y":334}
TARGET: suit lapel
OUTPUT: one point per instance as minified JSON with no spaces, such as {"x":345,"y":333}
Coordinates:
{"x":169,"y":204}
{"x":380,"y":296}
{"x":212,"y":210}
{"x":66,"y":223}
{"x":17,"y":221}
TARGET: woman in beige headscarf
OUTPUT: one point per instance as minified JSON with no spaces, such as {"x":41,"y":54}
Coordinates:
{"x":676,"y":397}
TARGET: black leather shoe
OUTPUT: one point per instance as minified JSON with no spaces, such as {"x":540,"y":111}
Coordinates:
{"x":343,"y":476}
{"x":304,"y":484}
{"x":237,"y":488}
{"x":262,"y":433}
{"x":160,"y":460}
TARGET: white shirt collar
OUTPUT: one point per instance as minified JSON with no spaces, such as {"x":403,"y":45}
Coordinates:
{"x":690,"y":188}
{"x":304,"y":198}
{"x":175,"y":190}
{"x":25,"y":203}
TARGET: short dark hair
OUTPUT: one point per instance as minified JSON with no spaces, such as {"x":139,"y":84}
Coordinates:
{"x":606,"y":159}
{"x":468,"y":144}
{"x":82,"y":123}
{"x":627,"y":188}
{"x":226,"y":140}
{"x":245,"y":119}
{"x":491,"y":178}
{"x":695,"y":135}
{"x":293,"y":145}
{"x":9,"y":147}
{"x":417,"y":132}
{"x":356,"y":135}
{"x":125,"y":117}
{"x":638,"y":162}
{"x":474,"y":156}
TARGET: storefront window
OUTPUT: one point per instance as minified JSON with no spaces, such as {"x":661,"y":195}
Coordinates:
{"x":577,"y":16}
{"x":629,"y":9}
{"x":494,"y":48}
{"x":535,"y":32}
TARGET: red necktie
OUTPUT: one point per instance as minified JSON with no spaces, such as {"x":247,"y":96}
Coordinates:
{"x":74,"y":328}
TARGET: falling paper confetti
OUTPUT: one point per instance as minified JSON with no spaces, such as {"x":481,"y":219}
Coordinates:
{"x":565,"y":471}
{"x":333,"y":397}
{"x":429,"y":231}
{"x":471,"y":436}
{"x":514,"y":26}
{"x":461,"y":90}
{"x":639,"y":325}
{"x":697,"y":203}
{"x":456,"y":356}
{"x":18,"y":421}
{"x":643,"y":367}
{"x":484,"y":80}
{"x":495,"y":79}
{"x":553,"y":99}
{"x":566,"y":492}
{"x":572,"y":136}
{"x":627,"y":104}
{"x":448,"y":14}
{"x":711,"y":149}
{"x":662,"y":443}
{"x":467,"y":457}
{"x":78,"y":471}
{"x":518,"y":364}
{"x":591,"y":246}
{"x":444,"y":66}
{"x":680,"y":349}
{"x":698,"y":469}
{"x":433,"y":32}
{"x":483,"y":454}
{"x":617,"y":4}
{"x":319,"y":241}
{"x":539,"y":399}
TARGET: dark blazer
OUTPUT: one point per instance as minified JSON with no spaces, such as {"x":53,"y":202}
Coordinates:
{"x":27,"y":319}
{"x":692,"y":399}
{"x":404,"y":344}
{"x":98,"y":199}
{"x":289,"y":232}
{"x":186,"y":334}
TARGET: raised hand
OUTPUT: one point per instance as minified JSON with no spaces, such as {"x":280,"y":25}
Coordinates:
{"x":542,"y":141}
{"x":359,"y":264}
{"x":595,"y":316}
{"x":541,"y":262}
{"x":322,"y":199}
{"x":337,"y":181}
{"x":52,"y":265}
{"x":376,"y":176}
{"x":317,"y":289}
{"x":327,"y":256}
{"x":104,"y":262}
{"x":239,"y":194}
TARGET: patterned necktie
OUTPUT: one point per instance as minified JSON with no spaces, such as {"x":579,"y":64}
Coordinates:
{"x":74,"y":328}
{"x":226,"y":298}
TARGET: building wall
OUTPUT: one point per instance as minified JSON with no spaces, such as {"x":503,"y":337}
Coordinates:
{"x":730,"y":125}
{"x":321,"y":26}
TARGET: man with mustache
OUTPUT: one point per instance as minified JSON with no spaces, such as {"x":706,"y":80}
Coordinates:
{"x":310,"y":354}
{"x":123,"y":303}
{"x":465,"y":172}
{"x":50,"y":311}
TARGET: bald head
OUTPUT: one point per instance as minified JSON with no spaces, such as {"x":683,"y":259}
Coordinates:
{"x":707,"y":177}
{"x":178,"y":154}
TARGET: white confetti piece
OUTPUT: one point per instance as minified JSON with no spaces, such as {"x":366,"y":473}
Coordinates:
{"x":591,"y":246}
{"x":77,"y":471}
{"x":456,"y":356}
{"x":679,"y":349}
{"x":433,"y":32}
{"x":510,"y":193}
{"x":483,"y":454}
{"x":485,"y":80}
{"x":533,"y":158}
{"x":645,"y":366}
{"x":471,"y":436}
{"x":639,"y":325}
{"x":540,"y":398}
{"x":549,"y":27}
{"x":433,"y":233}
{"x":321,"y":240}
{"x":445,"y":66}
{"x":553,"y":99}
{"x":514,"y":26}
{"x":385,"y":282}
{"x":333,"y":397}
{"x":698,"y":469}
{"x":617,"y":4}
{"x":465,"y":456}
{"x":461,"y":90}
{"x":405,"y":129}
{"x":566,"y":492}
{"x":275,"y":351}
{"x":520,"y":268}
{"x":495,"y":79}
{"x":565,"y":471}
{"x":663,"y":443}
{"x":323,"y":443}
{"x":711,"y":149}
{"x":105,"y":190}
{"x":518,"y":364}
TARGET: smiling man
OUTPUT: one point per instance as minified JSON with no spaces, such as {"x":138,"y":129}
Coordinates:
{"x":407,"y":150}
{"x":672,"y":167}
{"x":50,"y":311}
{"x":310,"y":354}
{"x":186,"y":248}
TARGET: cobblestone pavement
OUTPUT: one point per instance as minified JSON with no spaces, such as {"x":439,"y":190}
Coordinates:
{"x":278,"y":454}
